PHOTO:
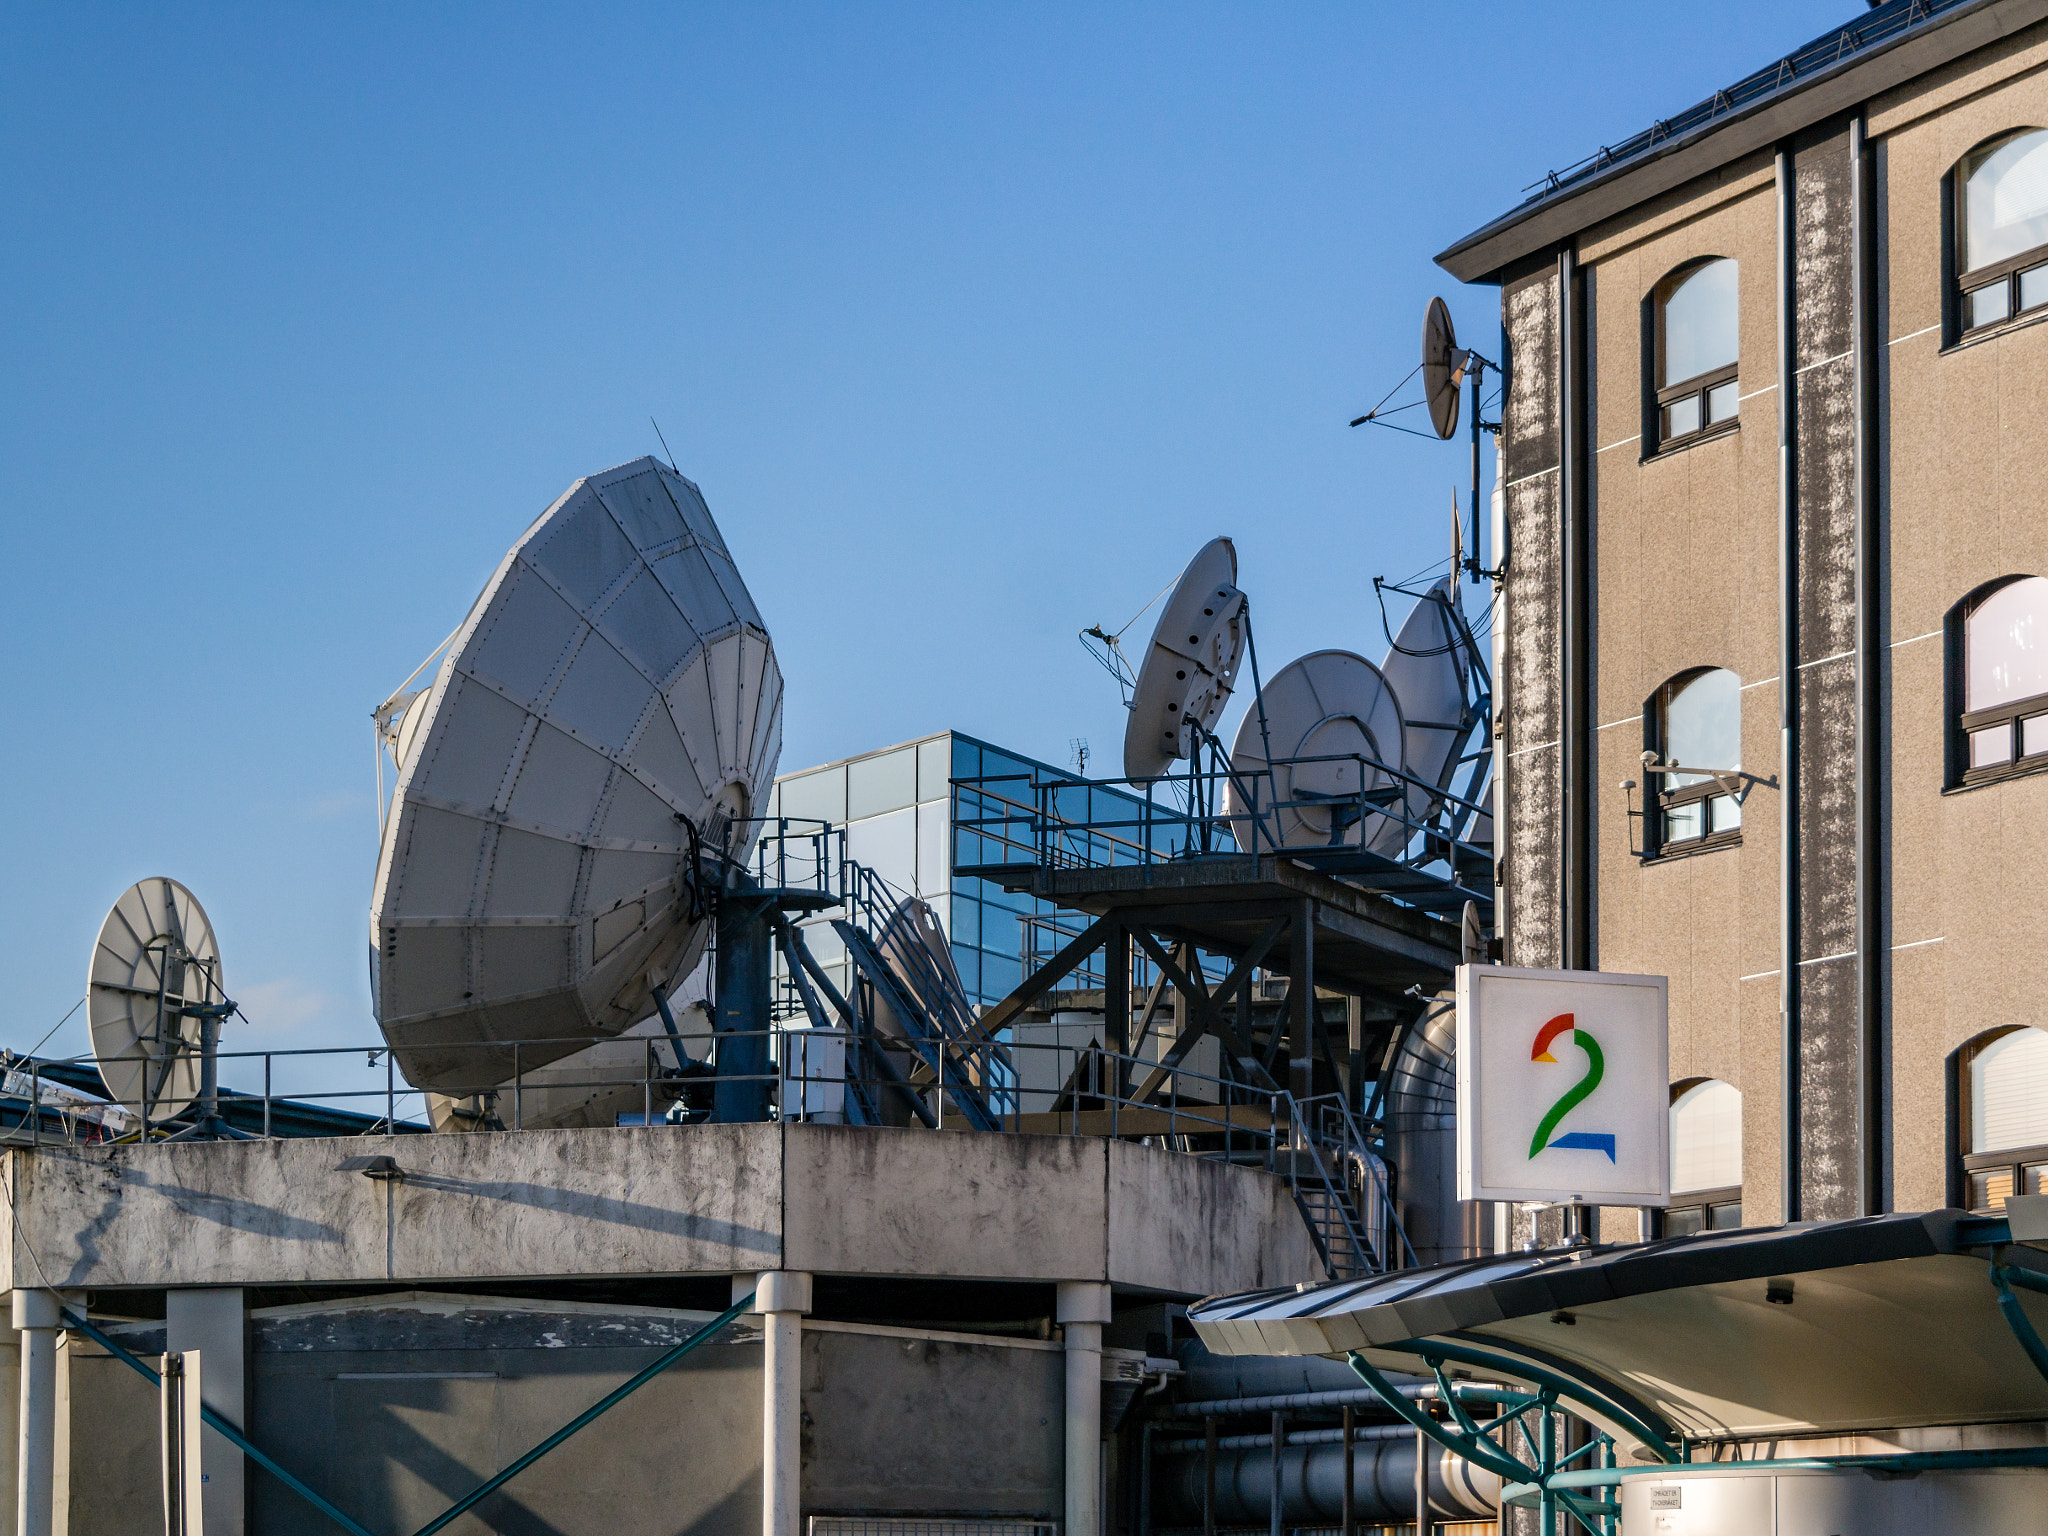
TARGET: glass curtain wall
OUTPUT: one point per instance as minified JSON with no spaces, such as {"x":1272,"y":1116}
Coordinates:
{"x":895,"y":807}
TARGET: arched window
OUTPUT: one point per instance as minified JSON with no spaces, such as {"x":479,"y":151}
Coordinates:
{"x":2002,"y":227}
{"x":1693,"y":720}
{"x":2004,"y":1083}
{"x":1694,"y":317}
{"x":1706,"y":1158}
{"x":1999,"y":672}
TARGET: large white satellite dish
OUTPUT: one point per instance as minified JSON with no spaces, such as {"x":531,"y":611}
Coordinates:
{"x":155,"y":974}
{"x":611,"y":702}
{"x":1429,"y":667}
{"x":1333,"y":705}
{"x":1191,"y":665}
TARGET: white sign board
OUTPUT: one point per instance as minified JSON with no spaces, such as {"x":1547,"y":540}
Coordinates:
{"x":1563,"y":1087}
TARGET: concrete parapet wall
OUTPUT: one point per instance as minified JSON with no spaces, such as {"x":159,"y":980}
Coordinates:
{"x":660,"y":1200}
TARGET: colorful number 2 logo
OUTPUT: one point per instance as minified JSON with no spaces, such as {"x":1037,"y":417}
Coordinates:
{"x":1596,"y":1065}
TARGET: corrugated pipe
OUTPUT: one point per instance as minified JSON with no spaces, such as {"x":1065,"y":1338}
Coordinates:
{"x":1312,"y":1484}
{"x":1359,"y":1397}
{"x":1359,"y":1435}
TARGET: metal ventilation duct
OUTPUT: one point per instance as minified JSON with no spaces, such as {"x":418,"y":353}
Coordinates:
{"x":611,"y":700}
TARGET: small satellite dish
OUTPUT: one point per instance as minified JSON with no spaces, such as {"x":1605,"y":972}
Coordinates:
{"x":1443,"y":368}
{"x":1331,"y":705}
{"x":610,"y":710}
{"x":1191,"y":665}
{"x":1428,"y":664}
{"x":155,"y":977}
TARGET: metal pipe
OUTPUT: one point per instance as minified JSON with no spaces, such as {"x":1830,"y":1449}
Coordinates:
{"x":1788,"y":708}
{"x":1870,"y":657}
{"x":1209,"y":1479}
{"x":1312,"y":1485}
{"x":1349,"y":1520}
{"x":1421,"y":1484}
{"x":1359,"y":1397}
{"x":1276,"y":1511}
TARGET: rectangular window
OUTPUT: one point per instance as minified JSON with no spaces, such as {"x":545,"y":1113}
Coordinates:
{"x":2033,"y":735}
{"x":1989,"y":304}
{"x":1725,"y":1218}
{"x":1684,"y":1221}
{"x":2033,"y":287}
{"x":1684,"y":821}
{"x":1991,"y":747}
{"x":2035,"y":1177}
{"x":1682,"y":417}
{"x":1727,"y":813}
{"x":875,"y":785}
{"x":1722,"y":402}
{"x":1989,"y":1189}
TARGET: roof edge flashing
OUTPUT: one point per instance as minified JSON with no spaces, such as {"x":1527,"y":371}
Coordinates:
{"x":1484,"y":254}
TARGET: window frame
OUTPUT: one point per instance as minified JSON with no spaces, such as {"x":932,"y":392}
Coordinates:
{"x":1706,"y":1202}
{"x":1659,"y":803}
{"x":1969,"y":1165}
{"x":1659,"y":398}
{"x":2007,"y":271}
{"x":1962,"y":724}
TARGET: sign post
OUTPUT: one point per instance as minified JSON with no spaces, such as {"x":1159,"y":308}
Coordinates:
{"x":1563,"y":1087}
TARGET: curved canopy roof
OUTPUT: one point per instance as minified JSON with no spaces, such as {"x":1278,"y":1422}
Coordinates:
{"x":1885,"y":1322}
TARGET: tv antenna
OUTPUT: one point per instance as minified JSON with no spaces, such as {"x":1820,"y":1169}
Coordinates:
{"x":155,"y":1003}
{"x":1445,"y":368}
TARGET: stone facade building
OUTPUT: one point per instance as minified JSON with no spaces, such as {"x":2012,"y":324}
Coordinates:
{"x":1774,"y":490}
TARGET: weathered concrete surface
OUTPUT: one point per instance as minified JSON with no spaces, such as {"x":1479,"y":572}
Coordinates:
{"x":1531,"y":722}
{"x":396,"y":1406}
{"x":1028,"y":1207}
{"x":657,"y":1201}
{"x":932,"y":1425}
{"x":1171,"y":1215}
{"x":1824,"y":628}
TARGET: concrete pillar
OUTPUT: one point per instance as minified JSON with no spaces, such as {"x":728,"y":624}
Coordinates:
{"x":1081,"y":1310}
{"x":781,"y":1298}
{"x":35,"y":1318}
{"x":214,"y":1323}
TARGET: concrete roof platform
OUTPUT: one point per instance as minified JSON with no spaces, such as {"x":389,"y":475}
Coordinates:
{"x":652,"y":1201}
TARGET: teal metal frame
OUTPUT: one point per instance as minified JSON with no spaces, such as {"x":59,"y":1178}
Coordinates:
{"x":1547,"y":1481}
{"x":476,"y":1495}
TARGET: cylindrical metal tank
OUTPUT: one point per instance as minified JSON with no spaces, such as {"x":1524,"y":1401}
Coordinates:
{"x":1727,"y":1501}
{"x":1422,"y":1141}
{"x":1312,"y":1485}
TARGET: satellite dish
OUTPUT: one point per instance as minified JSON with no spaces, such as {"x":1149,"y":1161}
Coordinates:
{"x":610,"y":706}
{"x":1191,"y":665}
{"x":155,"y":976}
{"x":1443,"y":367}
{"x":1329,"y":705}
{"x":1428,"y":666}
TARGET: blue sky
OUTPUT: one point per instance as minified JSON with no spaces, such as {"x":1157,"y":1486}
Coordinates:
{"x":972,"y":322}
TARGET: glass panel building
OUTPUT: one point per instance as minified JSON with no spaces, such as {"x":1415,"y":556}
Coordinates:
{"x":896,"y":809}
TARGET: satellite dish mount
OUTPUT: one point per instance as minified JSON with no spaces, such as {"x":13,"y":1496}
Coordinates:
{"x":1445,"y":368}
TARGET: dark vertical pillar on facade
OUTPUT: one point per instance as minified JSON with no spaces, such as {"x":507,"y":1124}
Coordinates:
{"x":1823,"y":689}
{"x":1529,"y":759}
{"x":1575,"y":569}
{"x":1871,"y":658}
